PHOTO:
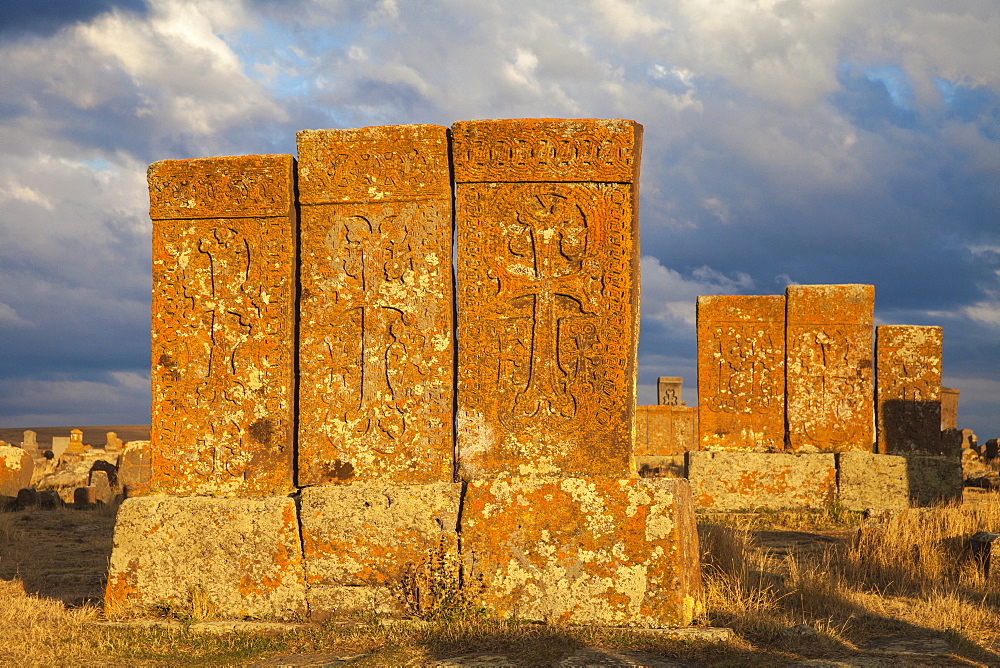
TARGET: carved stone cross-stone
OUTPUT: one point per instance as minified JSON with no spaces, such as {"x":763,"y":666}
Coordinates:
{"x":547,"y":296}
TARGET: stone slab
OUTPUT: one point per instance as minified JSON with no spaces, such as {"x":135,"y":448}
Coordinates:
{"x":830,"y":400}
{"x":669,"y":390}
{"x":908,"y":389}
{"x":135,"y":468}
{"x":376,"y":355}
{"x":223,"y":333}
{"x":741,"y":372}
{"x":361,"y":539}
{"x":587,"y":551}
{"x":867,"y":480}
{"x":244,"y":555}
{"x":733,"y":481}
{"x":949,"y":408}
{"x":548,"y":289}
{"x":16,"y":468}
{"x":665,"y":430}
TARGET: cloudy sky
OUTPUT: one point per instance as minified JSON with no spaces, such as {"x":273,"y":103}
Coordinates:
{"x":791,"y":141}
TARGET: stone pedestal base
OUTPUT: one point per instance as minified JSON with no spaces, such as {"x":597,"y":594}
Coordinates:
{"x":735,"y":481}
{"x":617,"y":552}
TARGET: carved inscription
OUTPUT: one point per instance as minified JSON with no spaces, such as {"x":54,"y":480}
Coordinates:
{"x":547,"y":316}
{"x":375,"y":360}
{"x":741,"y":386}
{"x":908,"y":389}
{"x":668,"y":391}
{"x":223,"y":333}
{"x":829,"y":358}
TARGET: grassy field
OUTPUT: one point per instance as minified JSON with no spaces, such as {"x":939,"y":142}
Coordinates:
{"x":794,"y":586}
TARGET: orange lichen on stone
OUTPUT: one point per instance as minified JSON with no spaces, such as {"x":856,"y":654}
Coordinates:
{"x":588,"y":551}
{"x":908,"y":389}
{"x":741,"y":372}
{"x":726,"y":481}
{"x":376,"y":356}
{"x":665,"y":430}
{"x":244,"y":555}
{"x":16,"y":468}
{"x":224,"y":237}
{"x":548,"y":296}
{"x":829,"y":402}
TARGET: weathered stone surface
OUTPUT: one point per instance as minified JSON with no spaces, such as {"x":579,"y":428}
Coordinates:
{"x":30,"y":442}
{"x":761,"y":480}
{"x":101,"y":484}
{"x":84,"y":497}
{"x":376,"y":356}
{"x":949,"y":408}
{"x":741,"y":372}
{"x":829,"y":367}
{"x":361,"y":539}
{"x":112,"y":443}
{"x":135,"y":469}
{"x":908,"y":389}
{"x":589,"y":551}
{"x":867,"y":480}
{"x":547,"y":296}
{"x":665,"y":430}
{"x":661,"y":466}
{"x":669,"y":390}
{"x":16,"y":467}
{"x":934,"y":479}
{"x":59,"y":445}
{"x":224,"y":236}
{"x":242,"y":555}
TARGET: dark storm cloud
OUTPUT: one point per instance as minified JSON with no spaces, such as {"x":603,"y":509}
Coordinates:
{"x":45,"y":17}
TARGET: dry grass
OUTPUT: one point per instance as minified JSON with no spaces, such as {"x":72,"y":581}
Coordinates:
{"x":906,"y":574}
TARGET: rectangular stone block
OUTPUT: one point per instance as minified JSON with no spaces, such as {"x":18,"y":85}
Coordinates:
{"x":376,"y":356}
{"x":741,"y":372}
{"x":241,"y":556}
{"x":665,"y":430}
{"x":223,"y":334}
{"x":548,"y":289}
{"x":16,"y":468}
{"x":583,"y":551}
{"x":867,"y":480}
{"x":908,"y":389}
{"x":830,"y":402}
{"x":668,"y":391}
{"x":363,"y":540}
{"x":761,"y":480}
{"x":949,"y":408}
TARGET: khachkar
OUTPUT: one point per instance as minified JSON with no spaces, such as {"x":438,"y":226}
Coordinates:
{"x":223,"y":325}
{"x":829,"y":367}
{"x":223,"y":337}
{"x":553,"y":513}
{"x":548,"y":298}
{"x":741,"y":372}
{"x":376,"y":361}
{"x":908,"y":389}
{"x":376,"y":369}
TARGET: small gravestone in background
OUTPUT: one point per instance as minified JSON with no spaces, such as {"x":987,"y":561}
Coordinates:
{"x":75,"y":445}
{"x":135,"y":469}
{"x":16,"y":467}
{"x":30,"y":442}
{"x":59,"y":445}
{"x":112,"y":443}
{"x":669,"y":390}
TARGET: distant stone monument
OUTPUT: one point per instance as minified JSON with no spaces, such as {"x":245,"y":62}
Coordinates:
{"x":548,"y":295}
{"x":59,"y":445}
{"x":668,"y":391}
{"x":908,"y":389}
{"x":30,"y":442}
{"x":829,"y":367}
{"x":75,"y":445}
{"x":949,"y":408}
{"x":224,"y":237}
{"x":376,"y":359}
{"x":112,"y":443}
{"x":741,"y":372}
{"x":665,"y":431}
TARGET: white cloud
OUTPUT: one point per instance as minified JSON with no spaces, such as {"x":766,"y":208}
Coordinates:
{"x":669,"y":297}
{"x":10,"y":318}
